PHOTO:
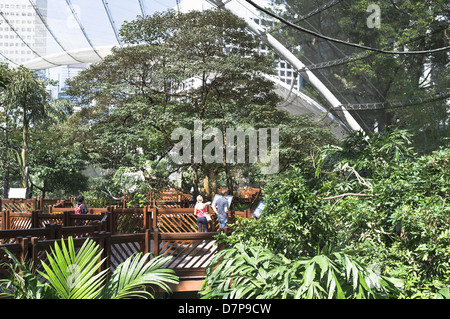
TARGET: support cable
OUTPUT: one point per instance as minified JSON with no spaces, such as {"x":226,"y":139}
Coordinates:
{"x":69,"y":3}
{"x":36,"y":9}
{"x":332,"y":85}
{"x":111,"y":21}
{"x":377,"y":105}
{"x":290,"y":58}
{"x":141,"y":4}
{"x":20,"y":37}
{"x":6,"y":58}
{"x":341,"y":41}
{"x":399,"y":104}
{"x":318,"y":10}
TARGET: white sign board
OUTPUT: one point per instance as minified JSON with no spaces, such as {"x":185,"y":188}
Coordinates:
{"x":17,"y":193}
{"x":259,"y":209}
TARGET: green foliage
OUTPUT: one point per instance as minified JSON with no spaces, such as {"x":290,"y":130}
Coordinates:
{"x":369,"y":77}
{"x":244,"y":271}
{"x":392,"y":212}
{"x":292,"y":223}
{"x":73,"y":274}
{"x":180,"y":68}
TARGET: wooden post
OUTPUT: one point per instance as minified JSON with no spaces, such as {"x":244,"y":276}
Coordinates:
{"x":99,"y":238}
{"x":23,"y":248}
{"x":113,"y":218}
{"x":147,"y":241}
{"x":66,"y":221}
{"x":34,"y":252}
{"x":146,"y":225}
{"x":35,"y":219}
{"x":52,"y":231}
{"x":58,"y":231}
{"x":155,"y":241}
{"x":3,"y":213}
{"x":106,"y":223}
{"x":155,"y":218}
{"x":7,"y":220}
{"x":107,"y":251}
{"x":41,"y":203}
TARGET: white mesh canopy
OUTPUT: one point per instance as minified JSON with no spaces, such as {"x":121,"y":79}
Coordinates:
{"x":41,"y":34}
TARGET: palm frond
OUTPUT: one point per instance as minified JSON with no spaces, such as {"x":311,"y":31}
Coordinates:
{"x":130,"y":279}
{"x":73,"y":274}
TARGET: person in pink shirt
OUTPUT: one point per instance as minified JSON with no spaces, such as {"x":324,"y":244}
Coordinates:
{"x":199,"y":211}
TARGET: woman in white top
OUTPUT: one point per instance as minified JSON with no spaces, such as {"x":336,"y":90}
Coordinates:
{"x":199,"y":211}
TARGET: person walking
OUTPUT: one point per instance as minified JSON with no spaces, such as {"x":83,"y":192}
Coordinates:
{"x":80,"y":208}
{"x":221,"y":208}
{"x":200,"y":211}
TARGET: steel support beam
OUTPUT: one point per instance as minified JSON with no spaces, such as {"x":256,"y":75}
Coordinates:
{"x":287,"y":55}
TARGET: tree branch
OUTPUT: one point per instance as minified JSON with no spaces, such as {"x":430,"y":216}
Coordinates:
{"x":349,"y":194}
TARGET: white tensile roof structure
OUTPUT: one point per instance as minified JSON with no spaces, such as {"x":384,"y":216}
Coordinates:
{"x":47,"y":34}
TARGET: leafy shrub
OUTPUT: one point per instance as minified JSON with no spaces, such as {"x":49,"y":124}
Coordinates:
{"x":244,"y":271}
{"x":372,"y":196}
{"x":292,"y":224}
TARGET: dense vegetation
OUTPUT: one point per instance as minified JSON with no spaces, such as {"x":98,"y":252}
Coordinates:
{"x":374,"y":211}
{"x":75,"y":273}
{"x":367,"y":217}
{"x":419,"y":81}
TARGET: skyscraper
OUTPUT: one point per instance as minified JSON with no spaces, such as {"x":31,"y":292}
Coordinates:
{"x":22,"y":32}
{"x":284,"y":70}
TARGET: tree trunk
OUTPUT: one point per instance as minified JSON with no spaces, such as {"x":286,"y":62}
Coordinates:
{"x":228,"y":175}
{"x":213,"y":182}
{"x":6,"y":181}
{"x":195,"y":180}
{"x":206,"y":185}
{"x":24,"y":155}
{"x":5,"y":158}
{"x":6,"y":164}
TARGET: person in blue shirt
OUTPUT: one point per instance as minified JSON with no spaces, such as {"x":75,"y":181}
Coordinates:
{"x":221,"y":209}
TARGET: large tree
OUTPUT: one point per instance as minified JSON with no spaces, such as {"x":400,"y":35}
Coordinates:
{"x":418,"y":82}
{"x":32,"y":155}
{"x":176,"y":69}
{"x":25,"y":102}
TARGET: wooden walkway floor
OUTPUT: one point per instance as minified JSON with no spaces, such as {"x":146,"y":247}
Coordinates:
{"x":120,"y":232}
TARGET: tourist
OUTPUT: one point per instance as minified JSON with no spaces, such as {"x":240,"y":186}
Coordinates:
{"x":200,"y":212}
{"x":221,"y":209}
{"x":80,"y":208}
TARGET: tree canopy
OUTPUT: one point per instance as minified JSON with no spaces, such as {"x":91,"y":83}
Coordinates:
{"x":175,"y":69}
{"x":408,"y":91}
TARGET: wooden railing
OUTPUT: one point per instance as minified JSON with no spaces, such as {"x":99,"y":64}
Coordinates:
{"x":121,"y":221}
{"x":30,"y":244}
{"x":38,"y":219}
{"x":120,"y":232}
{"x":28,"y":205}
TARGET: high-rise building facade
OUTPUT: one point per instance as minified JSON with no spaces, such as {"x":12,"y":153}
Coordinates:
{"x":284,"y":70}
{"x":22,"y":31}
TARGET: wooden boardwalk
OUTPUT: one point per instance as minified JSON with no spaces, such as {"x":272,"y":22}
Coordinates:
{"x":120,"y":232}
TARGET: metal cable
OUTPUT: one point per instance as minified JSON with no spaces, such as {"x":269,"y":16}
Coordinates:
{"x":341,"y":41}
{"x":20,"y":37}
{"x":69,"y":3}
{"x":36,"y":9}
{"x":111,"y":21}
